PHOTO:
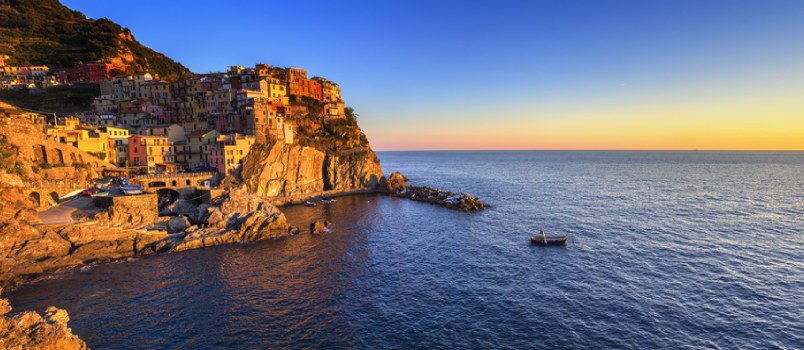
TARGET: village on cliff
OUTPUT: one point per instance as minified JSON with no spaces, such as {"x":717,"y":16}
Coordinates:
{"x":205,"y":122}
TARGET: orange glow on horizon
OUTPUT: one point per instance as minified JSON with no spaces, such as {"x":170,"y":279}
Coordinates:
{"x":752,"y":125}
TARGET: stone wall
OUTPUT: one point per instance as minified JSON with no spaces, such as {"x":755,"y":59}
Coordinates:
{"x":128,"y":211}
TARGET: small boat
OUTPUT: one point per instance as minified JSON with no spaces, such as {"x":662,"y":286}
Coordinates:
{"x":70,"y":195}
{"x":549,"y":240}
{"x":132,"y":189}
{"x":309,"y":204}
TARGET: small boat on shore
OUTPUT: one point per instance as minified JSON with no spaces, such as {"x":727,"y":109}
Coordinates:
{"x":132,"y":189}
{"x":549,"y":240}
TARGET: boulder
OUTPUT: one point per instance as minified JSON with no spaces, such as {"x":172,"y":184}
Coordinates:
{"x":318,"y":227}
{"x":177,"y":224}
{"x":29,"y":330}
{"x":396,"y":182}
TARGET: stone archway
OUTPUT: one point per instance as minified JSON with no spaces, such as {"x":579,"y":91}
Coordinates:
{"x":157,"y":184}
{"x":35,"y":198}
{"x":166,"y":197}
{"x":40,"y":154}
{"x":60,"y":155}
{"x":55,"y":197}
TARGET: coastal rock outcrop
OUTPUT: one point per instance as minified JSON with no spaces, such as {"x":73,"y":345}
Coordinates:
{"x":131,"y":227}
{"x":318,"y":227}
{"x":128,"y":211}
{"x":397,"y":186}
{"x":32,"y":331}
{"x":397,"y":182}
{"x":283,"y":170}
{"x":237,"y":216}
{"x":27,"y":251}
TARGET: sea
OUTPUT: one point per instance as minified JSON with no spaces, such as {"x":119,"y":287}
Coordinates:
{"x":667,"y":250}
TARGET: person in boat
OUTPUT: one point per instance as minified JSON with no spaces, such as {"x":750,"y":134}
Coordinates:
{"x":544,"y":236}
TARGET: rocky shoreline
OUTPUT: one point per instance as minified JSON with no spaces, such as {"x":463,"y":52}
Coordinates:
{"x":398,"y":187}
{"x":133,"y":227}
{"x":30,"y":330}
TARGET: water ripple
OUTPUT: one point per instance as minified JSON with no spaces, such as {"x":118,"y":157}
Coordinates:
{"x":668,"y":250}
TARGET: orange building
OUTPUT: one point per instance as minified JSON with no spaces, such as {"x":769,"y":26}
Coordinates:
{"x":299,"y":85}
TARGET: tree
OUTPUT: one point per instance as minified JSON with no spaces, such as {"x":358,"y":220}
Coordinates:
{"x":350,"y":114}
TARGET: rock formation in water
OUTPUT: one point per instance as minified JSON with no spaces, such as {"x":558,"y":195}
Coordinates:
{"x":237,"y":216}
{"x":398,"y":187}
{"x":32,"y":331}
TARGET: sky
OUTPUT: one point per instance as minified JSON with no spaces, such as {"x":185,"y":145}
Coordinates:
{"x":569,"y":74}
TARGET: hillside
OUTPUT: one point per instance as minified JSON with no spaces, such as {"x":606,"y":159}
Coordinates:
{"x":45,"y":32}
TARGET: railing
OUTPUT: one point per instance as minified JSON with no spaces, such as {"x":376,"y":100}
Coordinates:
{"x":176,"y":175}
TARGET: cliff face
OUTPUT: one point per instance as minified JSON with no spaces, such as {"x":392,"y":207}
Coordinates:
{"x":280,"y":170}
{"x":28,"y":156}
{"x":30,"y":330}
{"x":328,"y":155}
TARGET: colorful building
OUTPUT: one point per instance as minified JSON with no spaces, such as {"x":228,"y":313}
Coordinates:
{"x":195,"y":151}
{"x":147,"y":150}
{"x":93,"y":71}
{"x":227,"y":152}
{"x":119,"y":137}
{"x":299,"y":85}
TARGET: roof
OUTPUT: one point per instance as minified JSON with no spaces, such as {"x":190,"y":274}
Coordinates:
{"x":150,"y":136}
{"x":198,"y":133}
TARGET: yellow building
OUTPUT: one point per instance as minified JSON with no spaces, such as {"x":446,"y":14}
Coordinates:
{"x":95,"y":143}
{"x":195,"y":146}
{"x":119,"y":138}
{"x":276,"y":88}
{"x":235,"y":147}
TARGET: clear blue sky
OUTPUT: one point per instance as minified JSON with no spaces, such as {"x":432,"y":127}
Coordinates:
{"x":512,"y":74}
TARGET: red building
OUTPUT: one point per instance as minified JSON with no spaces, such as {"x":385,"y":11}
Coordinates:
{"x":299,"y":85}
{"x":94,"y":71}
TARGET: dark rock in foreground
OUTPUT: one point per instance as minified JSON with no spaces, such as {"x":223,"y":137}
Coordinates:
{"x":30,"y":330}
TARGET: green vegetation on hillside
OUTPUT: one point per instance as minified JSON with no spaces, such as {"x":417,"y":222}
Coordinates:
{"x":61,"y":99}
{"x":44,"y":32}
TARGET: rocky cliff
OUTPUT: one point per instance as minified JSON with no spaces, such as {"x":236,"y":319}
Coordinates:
{"x":280,"y":170}
{"x":32,"y":331}
{"x":329,"y":155}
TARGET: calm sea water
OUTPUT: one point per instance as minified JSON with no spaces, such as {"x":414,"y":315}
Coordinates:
{"x":668,"y":250}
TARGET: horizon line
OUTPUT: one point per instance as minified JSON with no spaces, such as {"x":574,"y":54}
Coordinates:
{"x":591,"y":150}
